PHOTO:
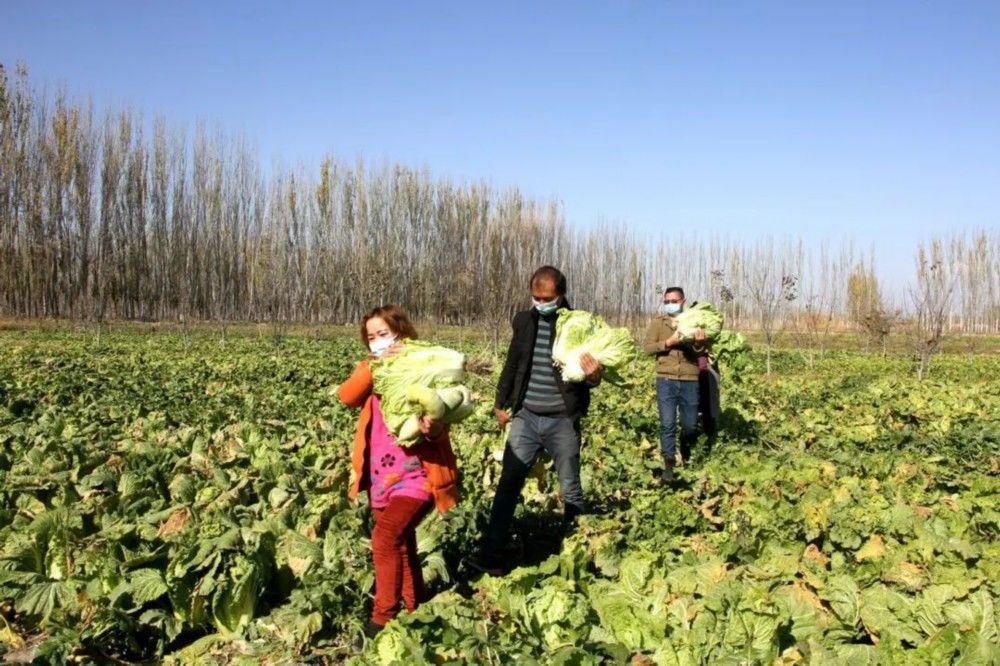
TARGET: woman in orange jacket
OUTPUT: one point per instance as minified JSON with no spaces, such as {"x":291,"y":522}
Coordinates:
{"x":403,"y":484}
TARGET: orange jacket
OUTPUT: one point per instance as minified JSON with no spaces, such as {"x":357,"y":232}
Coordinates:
{"x":436,"y":455}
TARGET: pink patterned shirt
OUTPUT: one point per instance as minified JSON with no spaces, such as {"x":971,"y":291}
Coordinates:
{"x":394,"y":472}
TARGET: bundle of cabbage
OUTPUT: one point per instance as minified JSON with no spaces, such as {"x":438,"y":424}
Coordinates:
{"x":422,"y":379}
{"x":703,"y":316}
{"x":579,"y":332}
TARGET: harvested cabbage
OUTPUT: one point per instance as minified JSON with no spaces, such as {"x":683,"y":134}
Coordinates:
{"x":423,"y":379}
{"x":732,"y":351}
{"x":703,"y":316}
{"x":729,"y":343}
{"x":579,"y":332}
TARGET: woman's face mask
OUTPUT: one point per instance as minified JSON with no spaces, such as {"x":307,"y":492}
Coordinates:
{"x":379,"y":345}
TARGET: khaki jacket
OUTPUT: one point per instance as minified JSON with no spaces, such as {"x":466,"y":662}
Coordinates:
{"x":676,"y":363}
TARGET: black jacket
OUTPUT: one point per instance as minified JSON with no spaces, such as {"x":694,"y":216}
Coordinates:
{"x":513,"y":382}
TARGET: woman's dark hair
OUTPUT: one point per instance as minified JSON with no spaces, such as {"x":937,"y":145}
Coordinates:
{"x":395,"y":319}
{"x":677,"y":289}
{"x":549,"y":273}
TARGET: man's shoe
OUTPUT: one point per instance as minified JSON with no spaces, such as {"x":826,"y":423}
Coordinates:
{"x":571,"y":514}
{"x":667,"y":477}
{"x":686,"y":452}
{"x":485,"y":563}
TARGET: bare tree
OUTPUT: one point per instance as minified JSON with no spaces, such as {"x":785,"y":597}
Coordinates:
{"x":992,"y":271}
{"x":930,"y":296}
{"x":771,"y":285}
{"x":824,"y":291}
{"x":114,"y":218}
{"x":971,"y":262}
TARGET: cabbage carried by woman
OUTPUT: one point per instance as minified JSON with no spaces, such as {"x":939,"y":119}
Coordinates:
{"x":423,"y":379}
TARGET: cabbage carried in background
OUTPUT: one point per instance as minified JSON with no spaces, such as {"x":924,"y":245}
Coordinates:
{"x":703,"y":316}
{"x":728,"y":343}
{"x":579,"y":332}
{"x":726,"y":347}
{"x":422,"y":379}
{"x":731,"y":351}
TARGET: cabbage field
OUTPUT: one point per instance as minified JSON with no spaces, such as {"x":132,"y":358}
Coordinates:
{"x":184,"y":500}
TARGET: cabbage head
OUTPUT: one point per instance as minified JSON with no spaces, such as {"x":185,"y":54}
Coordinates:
{"x":703,"y":316}
{"x":422,"y":379}
{"x":732,"y":351}
{"x":578,"y":332}
{"x":236,"y":601}
{"x":729,"y":343}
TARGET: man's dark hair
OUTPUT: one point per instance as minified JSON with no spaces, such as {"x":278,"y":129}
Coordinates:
{"x":679,"y":290}
{"x":550,"y":273}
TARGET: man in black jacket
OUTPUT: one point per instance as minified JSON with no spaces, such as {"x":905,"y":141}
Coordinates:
{"x":543,"y":411}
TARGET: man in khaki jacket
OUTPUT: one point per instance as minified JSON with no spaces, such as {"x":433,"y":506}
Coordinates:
{"x":676,"y":379}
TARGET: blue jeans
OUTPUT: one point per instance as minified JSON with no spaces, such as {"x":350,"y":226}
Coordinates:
{"x":530,"y":433}
{"x":673,"y":395}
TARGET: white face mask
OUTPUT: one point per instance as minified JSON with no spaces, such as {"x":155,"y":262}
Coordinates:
{"x":379,"y":346}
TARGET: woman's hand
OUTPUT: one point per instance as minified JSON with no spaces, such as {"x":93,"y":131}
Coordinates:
{"x":430,"y":428}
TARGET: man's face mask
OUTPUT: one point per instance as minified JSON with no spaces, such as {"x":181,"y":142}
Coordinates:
{"x":670,"y":309}
{"x":545,"y":308}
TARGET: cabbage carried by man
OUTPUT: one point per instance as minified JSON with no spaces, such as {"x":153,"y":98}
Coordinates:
{"x":423,"y":379}
{"x":724,"y":345}
{"x":700,"y":315}
{"x":579,"y":332}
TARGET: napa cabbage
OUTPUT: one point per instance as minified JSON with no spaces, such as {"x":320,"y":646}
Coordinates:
{"x":727,"y":347}
{"x":732,"y":349}
{"x":579,"y":332}
{"x":239,"y":591}
{"x":423,"y":379}
{"x":703,"y":316}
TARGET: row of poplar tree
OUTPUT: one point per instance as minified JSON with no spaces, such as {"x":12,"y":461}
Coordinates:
{"x":104,"y":215}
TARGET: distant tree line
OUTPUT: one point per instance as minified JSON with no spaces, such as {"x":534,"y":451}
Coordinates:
{"x":107,"y":216}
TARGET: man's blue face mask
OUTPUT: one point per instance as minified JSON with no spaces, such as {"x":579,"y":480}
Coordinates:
{"x":670,"y":309}
{"x":545,"y":308}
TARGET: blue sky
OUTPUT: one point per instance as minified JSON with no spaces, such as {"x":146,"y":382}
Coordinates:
{"x":876,"y":121}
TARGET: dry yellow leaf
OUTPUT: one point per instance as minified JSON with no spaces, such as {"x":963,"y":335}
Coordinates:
{"x":873,"y":550}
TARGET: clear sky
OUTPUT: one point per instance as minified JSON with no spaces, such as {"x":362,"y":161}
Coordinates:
{"x":875,"y":120}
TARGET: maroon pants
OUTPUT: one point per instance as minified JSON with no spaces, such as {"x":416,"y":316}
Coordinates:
{"x":394,"y":549}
